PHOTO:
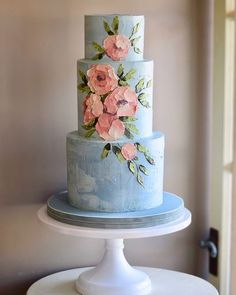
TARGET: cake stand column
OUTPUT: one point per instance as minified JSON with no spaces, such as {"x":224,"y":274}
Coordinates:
{"x":113,"y":275}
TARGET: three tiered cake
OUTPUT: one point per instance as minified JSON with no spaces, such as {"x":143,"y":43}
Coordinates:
{"x":115,"y":160}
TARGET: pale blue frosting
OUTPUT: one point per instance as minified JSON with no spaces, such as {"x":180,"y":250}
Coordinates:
{"x":96,"y":184}
{"x":95,"y":32}
{"x":144,"y":69}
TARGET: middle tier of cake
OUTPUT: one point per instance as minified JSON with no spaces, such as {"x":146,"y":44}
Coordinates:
{"x":115,"y":176}
{"x":117,"y":94}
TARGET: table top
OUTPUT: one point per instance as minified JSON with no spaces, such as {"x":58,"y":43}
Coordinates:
{"x":87,"y":232}
{"x":164,"y":282}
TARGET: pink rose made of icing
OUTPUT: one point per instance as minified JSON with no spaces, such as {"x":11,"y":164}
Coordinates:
{"x":117,"y":46}
{"x":129,"y":151}
{"x":109,"y":127}
{"x":93,"y":107}
{"x":102,"y":78}
{"x":122,"y":101}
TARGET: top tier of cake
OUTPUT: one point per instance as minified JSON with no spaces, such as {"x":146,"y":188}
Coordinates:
{"x":114,"y":37}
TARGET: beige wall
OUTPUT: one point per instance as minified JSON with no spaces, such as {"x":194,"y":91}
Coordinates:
{"x":40,"y":43}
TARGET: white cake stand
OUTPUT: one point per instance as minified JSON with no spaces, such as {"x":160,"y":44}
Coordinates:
{"x":113,"y":275}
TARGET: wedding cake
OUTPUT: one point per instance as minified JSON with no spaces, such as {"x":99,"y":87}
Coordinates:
{"x":114,"y":160}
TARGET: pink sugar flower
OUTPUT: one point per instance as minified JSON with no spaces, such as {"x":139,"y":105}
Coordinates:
{"x":129,"y":151}
{"x":123,"y":101}
{"x":93,"y":107}
{"x":109,"y":127}
{"x":117,"y":46}
{"x":102,"y":78}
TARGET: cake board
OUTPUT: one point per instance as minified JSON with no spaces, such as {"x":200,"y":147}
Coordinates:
{"x":59,"y":208}
{"x":113,"y":275}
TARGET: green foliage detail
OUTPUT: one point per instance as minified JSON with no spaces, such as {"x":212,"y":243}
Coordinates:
{"x":90,"y":125}
{"x":129,"y":75}
{"x":135,"y":29}
{"x":149,"y":84}
{"x":83,"y":88}
{"x":107,"y":28}
{"x":140,"y":180}
{"x":115,"y":24}
{"x":132,"y":128}
{"x":140,"y":85}
{"x":83,"y":77}
{"x":137,"y":50}
{"x":90,"y":132}
{"x":106,"y":151}
{"x":117,"y":151}
{"x":128,"y":134}
{"x":132,"y":167}
{"x":143,"y":169}
{"x":134,"y":41}
{"x":98,"y":56}
{"x":128,"y":119}
{"x":141,"y":148}
{"x":98,"y":47}
{"x":120,"y":70}
{"x":149,"y":159}
{"x":142,"y":99}
{"x":123,"y":83}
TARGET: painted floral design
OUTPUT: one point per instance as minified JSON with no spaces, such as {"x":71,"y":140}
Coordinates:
{"x":93,"y":107}
{"x":109,"y":127}
{"x":122,"y":101}
{"x":102,"y":78}
{"x":116,"y":46}
{"x":128,"y":153}
{"x":111,"y":104}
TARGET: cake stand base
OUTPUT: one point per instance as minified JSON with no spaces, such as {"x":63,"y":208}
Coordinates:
{"x":113,"y":275}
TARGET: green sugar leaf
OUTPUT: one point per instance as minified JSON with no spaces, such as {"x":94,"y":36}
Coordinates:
{"x":98,"y":56}
{"x":107,"y":28}
{"x":120,"y":71}
{"x":129,"y":75}
{"x":115,"y":24}
{"x":132,"y":128}
{"x":140,"y":85}
{"x":143,"y":169}
{"x":90,"y":124}
{"x":128,"y":134}
{"x":98,"y":47}
{"x":132,"y":167}
{"x":90,"y":132}
{"x":140,"y":180}
{"x":84,"y":88}
{"x":141,"y":148}
{"x":134,"y":41}
{"x":106,"y":151}
{"x":117,"y":151}
{"x":142,"y":99}
{"x":83,"y":77}
{"x":137,"y":50}
{"x":128,"y":119}
{"x":123,"y":83}
{"x":149,"y":159}
{"x":135,"y":29}
{"x":149,"y":84}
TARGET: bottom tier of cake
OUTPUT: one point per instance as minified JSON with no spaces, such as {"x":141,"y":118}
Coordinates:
{"x":118,"y":176}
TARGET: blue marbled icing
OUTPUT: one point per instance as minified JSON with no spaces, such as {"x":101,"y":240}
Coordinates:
{"x":144,"y":69}
{"x":95,"y":32}
{"x":107,"y":185}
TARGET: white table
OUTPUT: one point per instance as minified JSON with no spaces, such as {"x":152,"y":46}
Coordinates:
{"x":113,"y":275}
{"x":164,"y":282}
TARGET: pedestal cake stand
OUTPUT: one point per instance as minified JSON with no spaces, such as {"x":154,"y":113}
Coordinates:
{"x":113,"y":275}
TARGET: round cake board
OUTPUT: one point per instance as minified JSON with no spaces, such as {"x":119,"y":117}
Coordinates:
{"x":60,"y":209}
